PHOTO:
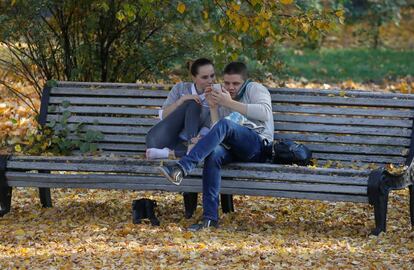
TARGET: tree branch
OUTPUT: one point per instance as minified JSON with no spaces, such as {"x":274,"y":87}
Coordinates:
{"x":20,"y":96}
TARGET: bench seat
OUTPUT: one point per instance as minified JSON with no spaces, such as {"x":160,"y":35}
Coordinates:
{"x":238,"y":178}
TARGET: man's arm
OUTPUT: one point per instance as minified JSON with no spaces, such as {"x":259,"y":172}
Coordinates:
{"x":236,"y":106}
{"x":224,"y":99}
{"x":260,"y":107}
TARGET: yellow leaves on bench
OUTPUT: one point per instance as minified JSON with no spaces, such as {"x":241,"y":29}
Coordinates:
{"x":396,"y":169}
{"x":336,"y":164}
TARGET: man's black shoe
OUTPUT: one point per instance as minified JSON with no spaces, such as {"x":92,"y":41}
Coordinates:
{"x":207,"y":223}
{"x":173,"y":173}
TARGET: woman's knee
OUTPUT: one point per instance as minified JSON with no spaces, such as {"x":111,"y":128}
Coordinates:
{"x":153,"y":139}
{"x":192,"y":105}
{"x":150,"y":139}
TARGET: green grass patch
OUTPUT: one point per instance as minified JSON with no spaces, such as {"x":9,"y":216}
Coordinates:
{"x":360,"y":65}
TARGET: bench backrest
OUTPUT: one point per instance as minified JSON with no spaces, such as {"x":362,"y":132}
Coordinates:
{"x":341,"y":127}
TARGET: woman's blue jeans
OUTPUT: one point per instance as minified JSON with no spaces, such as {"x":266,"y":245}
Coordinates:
{"x":186,"y":118}
{"x":226,"y":142}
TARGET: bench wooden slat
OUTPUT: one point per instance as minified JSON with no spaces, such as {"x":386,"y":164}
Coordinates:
{"x":121,"y":180}
{"x":115,"y":129}
{"x":350,"y":159}
{"x":278,"y":126}
{"x":305,"y":138}
{"x":320,"y":128}
{"x":351,"y":139}
{"x":364,"y":140}
{"x":338,"y":92}
{"x":280,"y":176}
{"x":371,"y":102}
{"x":139,"y":121}
{"x":97,"y":85}
{"x":335,"y":148}
{"x":278,"y":108}
{"x":107,"y":101}
{"x":354,"y":121}
{"x":360,"y":158}
{"x":144,"y":91}
{"x":182,"y":188}
{"x":280,"y":118}
{"x":139,"y":139}
{"x":122,"y":146}
{"x":234,"y":166}
{"x":320,"y":148}
{"x":104,"y":110}
{"x":108,"y":92}
{"x":291,"y":91}
{"x":275,"y":98}
{"x":318,"y":109}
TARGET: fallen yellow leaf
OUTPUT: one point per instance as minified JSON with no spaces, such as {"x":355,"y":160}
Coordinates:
{"x":181,"y":7}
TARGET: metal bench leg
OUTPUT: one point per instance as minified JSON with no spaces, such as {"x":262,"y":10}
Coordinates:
{"x":190,"y":203}
{"x":5,"y":200}
{"x":44,"y":194}
{"x":45,"y":197}
{"x":5,"y":191}
{"x":380,"y":211}
{"x":227,"y":203}
{"x":412,"y":205}
{"x":378,"y":197}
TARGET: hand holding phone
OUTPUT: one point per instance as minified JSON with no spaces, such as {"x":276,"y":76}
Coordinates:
{"x":216,"y":87}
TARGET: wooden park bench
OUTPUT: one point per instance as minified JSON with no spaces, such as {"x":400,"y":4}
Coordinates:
{"x":349,"y":134}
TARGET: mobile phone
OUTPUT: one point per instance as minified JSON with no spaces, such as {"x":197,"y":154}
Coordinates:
{"x":216,"y":87}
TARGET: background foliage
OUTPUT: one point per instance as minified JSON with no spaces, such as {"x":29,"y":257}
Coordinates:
{"x":284,"y":42}
{"x":125,"y":41}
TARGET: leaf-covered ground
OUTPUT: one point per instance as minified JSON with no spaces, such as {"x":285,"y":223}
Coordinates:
{"x":89,"y":229}
{"x":92,"y":229}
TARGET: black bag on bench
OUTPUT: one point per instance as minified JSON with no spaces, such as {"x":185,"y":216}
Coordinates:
{"x":290,"y":152}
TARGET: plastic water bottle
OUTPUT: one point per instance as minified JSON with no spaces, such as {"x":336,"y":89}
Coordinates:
{"x":236,"y":118}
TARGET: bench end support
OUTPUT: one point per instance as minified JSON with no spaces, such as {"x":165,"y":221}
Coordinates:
{"x":380,"y":183}
{"x":5,"y":200}
{"x":378,"y":197}
{"x":5,"y":191}
{"x":412,"y":206}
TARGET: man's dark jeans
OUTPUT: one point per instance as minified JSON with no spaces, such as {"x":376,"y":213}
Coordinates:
{"x":166,"y":133}
{"x":244,"y":145}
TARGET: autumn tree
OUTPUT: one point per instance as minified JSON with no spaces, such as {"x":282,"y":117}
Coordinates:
{"x":114,"y":40}
{"x":375,"y":13}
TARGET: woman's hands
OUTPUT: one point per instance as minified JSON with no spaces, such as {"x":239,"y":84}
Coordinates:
{"x":183,"y":99}
{"x":178,"y":103}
